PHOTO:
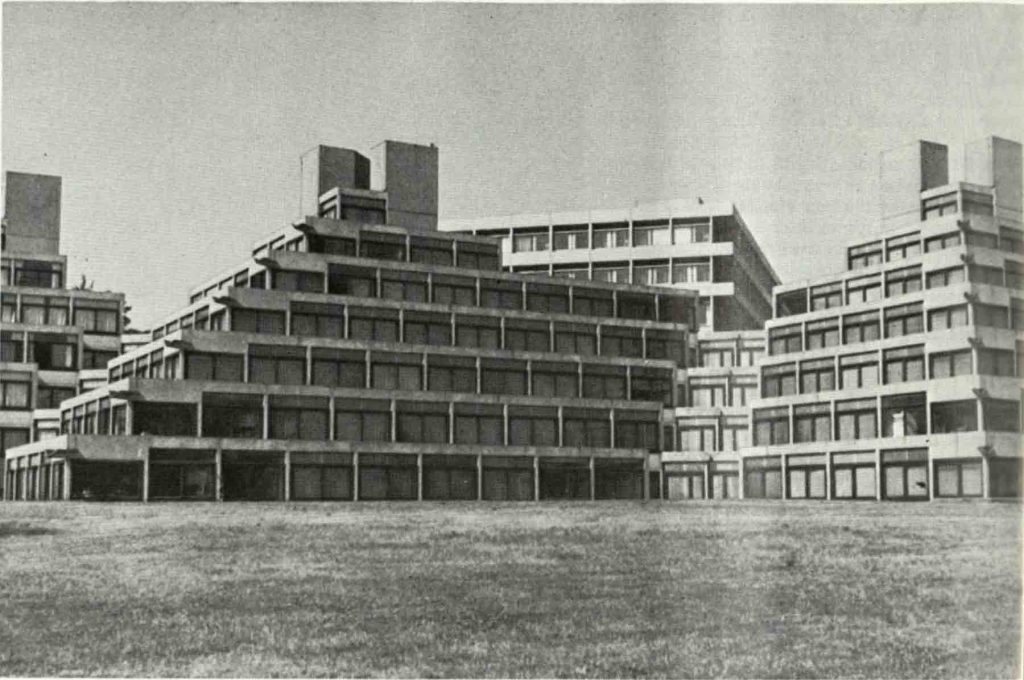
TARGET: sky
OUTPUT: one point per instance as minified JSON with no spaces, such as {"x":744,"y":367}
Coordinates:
{"x":177,"y":128}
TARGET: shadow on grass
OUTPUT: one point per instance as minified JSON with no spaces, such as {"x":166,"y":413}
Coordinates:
{"x":14,"y":529}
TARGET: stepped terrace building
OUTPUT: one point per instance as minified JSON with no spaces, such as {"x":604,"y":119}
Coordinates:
{"x":362,"y":354}
{"x":900,"y":377}
{"x":54,"y":342}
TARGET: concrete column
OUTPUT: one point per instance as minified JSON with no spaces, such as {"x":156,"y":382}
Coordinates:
{"x":741,"y":487}
{"x":707,"y":481}
{"x":828,"y":471}
{"x":218,"y":475}
{"x":266,"y":416}
{"x":419,"y":476}
{"x":931,"y":476}
{"x":986,"y":480}
{"x":647,"y":477}
{"x":561,"y":427}
{"x":593,"y":480}
{"x":331,"y":424}
{"x":785,"y":475}
{"x":536,"y":478}
{"x":199,"y":418}
{"x":287,"y":476}
{"x":479,"y":477}
{"x":67,"y":480}
{"x":145,"y":474}
{"x":355,"y":475}
{"x":309,"y":364}
{"x":878,"y":474}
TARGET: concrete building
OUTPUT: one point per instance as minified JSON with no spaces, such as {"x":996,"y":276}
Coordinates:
{"x":899,"y":378}
{"x":54,"y":341}
{"x":350,"y":358}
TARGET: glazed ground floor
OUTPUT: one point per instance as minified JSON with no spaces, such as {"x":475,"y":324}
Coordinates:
{"x":899,"y":474}
{"x":191,"y":474}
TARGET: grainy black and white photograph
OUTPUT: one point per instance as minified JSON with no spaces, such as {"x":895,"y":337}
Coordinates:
{"x":460,"y":340}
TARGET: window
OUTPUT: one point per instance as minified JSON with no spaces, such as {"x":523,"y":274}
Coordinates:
{"x":981,"y":239}
{"x":454,"y":290}
{"x":861,"y":327}
{"x":421,"y":422}
{"x":555,"y":379}
{"x":362,"y":420}
{"x":937,"y":206}
{"x":499,"y":376}
{"x":905,"y":474}
{"x":994,"y":361}
{"x":689,"y":230}
{"x":478,"y":331}
{"x":666,"y":345}
{"x":777,"y":381}
{"x":637,"y":430}
{"x":771,"y":426}
{"x":827,"y":296}
{"x":53,"y":352}
{"x":15,"y":391}
{"x":1001,"y":415}
{"x":903,"y":415}
{"x":276,"y":365}
{"x":950,"y":364}
{"x":571,"y":237}
{"x":36,"y":309}
{"x":451,"y":374}
{"x":651,"y":274}
{"x":785,"y":339}
{"x":576,"y":339}
{"x":542,"y":298}
{"x":425,"y":328}
{"x":903,"y":281}
{"x":654,"y":384}
{"x":1011,"y":240}
{"x":48,"y":396}
{"x":976,"y":203}
{"x":904,"y":364}
{"x":156,"y":418}
{"x":621,"y":341}
{"x":856,"y":419}
{"x":637,"y":307}
{"x":812,"y":423}
{"x":991,"y":315}
{"x":651,"y":233}
{"x":586,"y":427}
{"x":525,"y":335}
{"x":712,"y":357}
{"x":946,"y":277}
{"x":8,"y":308}
{"x":762,"y":477}
{"x":1014,"y":275}
{"x":315,"y":320}
{"x":941,"y":242}
{"x":478,"y":256}
{"x":479,"y":424}
{"x":604,"y":382}
{"x":824,"y":333}
{"x":902,"y":247}
{"x":354,"y":281}
{"x":331,"y":245}
{"x":859,"y":370}
{"x":297,"y":281}
{"x":691,"y":271}
{"x":954,"y":416}
{"x":864,"y":289}
{"x":532,"y":426}
{"x":1016,"y":314}
{"x":742,"y":394}
{"x":396,"y":371}
{"x":410,"y":286}
{"x":947,"y":317}
{"x":735,"y":436}
{"x":697,"y":438}
{"x":382,"y":246}
{"x":299,"y":418}
{"x":983,"y":274}
{"x":707,"y":395}
{"x":430,"y":251}
{"x":590,"y":302}
{"x":95,"y":316}
{"x":11,"y":437}
{"x":611,"y":235}
{"x":818,"y":375}
{"x":222,"y":367}
{"x":257,"y":321}
{"x":501,"y":294}
{"x":227,"y":415}
{"x":865,"y":255}
{"x":36,"y":274}
{"x":958,"y":479}
{"x":530,"y":242}
{"x":904,"y":320}
{"x":611,"y":274}
{"x":339,"y":368}
{"x":365,"y":323}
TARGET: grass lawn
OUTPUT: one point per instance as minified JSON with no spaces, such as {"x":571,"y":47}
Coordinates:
{"x":609,"y":589}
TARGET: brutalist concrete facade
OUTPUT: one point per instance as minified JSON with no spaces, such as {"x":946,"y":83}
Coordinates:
{"x":54,"y":341}
{"x":348,"y":358}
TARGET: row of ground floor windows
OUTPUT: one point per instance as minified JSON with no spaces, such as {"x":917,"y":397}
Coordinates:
{"x":907,"y":480}
{"x":376,"y":477}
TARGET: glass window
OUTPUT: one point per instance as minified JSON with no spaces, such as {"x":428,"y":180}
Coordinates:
{"x":904,"y":364}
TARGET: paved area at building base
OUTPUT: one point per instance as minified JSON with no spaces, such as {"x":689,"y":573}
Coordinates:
{"x":610,"y":589}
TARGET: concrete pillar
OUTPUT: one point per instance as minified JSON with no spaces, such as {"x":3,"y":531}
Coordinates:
{"x":878,"y":474}
{"x":986,"y":480}
{"x":785,"y":473}
{"x":741,"y":487}
{"x":593,"y":480}
{"x":480,"y":477}
{"x":355,"y":475}
{"x":145,"y":474}
{"x":67,"y":480}
{"x":266,"y":416}
{"x":707,"y":481}
{"x":536,"y":478}
{"x":218,"y":475}
{"x":287,"y":476}
{"x":931,"y":476}
{"x":647,"y":477}
{"x":419,"y":476}
{"x":828,"y":471}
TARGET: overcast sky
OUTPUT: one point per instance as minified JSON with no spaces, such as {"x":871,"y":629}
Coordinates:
{"x":178,"y":128}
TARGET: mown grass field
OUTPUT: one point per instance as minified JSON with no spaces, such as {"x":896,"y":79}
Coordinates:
{"x":743,"y":589}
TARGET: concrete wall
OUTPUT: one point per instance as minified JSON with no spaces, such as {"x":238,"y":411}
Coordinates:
{"x":326,"y":167}
{"x":996,"y":162}
{"x":32,"y":214}
{"x":906,"y":172}
{"x":411,"y":181}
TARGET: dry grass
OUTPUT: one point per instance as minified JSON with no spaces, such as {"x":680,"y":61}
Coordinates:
{"x":589,"y":589}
